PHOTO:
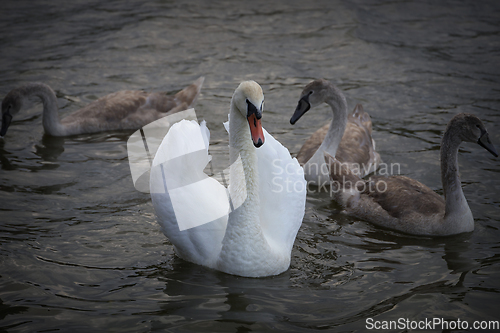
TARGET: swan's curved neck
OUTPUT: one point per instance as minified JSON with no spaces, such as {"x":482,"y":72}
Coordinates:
{"x":244,"y":240}
{"x":338,"y":104}
{"x":457,"y":210}
{"x":243,"y":158}
{"x":50,"y":117}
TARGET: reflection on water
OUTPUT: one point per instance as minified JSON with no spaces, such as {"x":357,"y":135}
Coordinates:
{"x":80,"y":247}
{"x":50,"y":148}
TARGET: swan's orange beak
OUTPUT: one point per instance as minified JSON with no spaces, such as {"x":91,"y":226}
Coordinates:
{"x":256,"y":130}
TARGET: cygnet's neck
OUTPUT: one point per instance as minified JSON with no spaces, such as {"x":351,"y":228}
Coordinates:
{"x":50,"y":117}
{"x":338,"y":104}
{"x":457,"y":212}
{"x":315,"y":172}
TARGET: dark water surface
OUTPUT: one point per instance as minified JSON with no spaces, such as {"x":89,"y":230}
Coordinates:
{"x":80,"y":248}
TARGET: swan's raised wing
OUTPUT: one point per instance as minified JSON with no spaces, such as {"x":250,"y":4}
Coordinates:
{"x":191,"y":207}
{"x":282,"y":192}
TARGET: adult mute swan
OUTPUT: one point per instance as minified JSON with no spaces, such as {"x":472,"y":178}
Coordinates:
{"x":118,"y":111}
{"x":248,"y":231}
{"x":404,"y":204}
{"x":348,"y":137}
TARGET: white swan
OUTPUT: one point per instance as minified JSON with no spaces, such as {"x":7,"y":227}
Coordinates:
{"x":251,"y":234}
{"x":347,"y":137}
{"x":404,"y":204}
{"x":118,"y":111}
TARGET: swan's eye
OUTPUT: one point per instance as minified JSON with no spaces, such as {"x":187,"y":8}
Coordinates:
{"x":311,"y":92}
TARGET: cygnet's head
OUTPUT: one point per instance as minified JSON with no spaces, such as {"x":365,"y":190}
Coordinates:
{"x":249,"y":100}
{"x":11,"y":105}
{"x":314,"y":94}
{"x":471,"y":129}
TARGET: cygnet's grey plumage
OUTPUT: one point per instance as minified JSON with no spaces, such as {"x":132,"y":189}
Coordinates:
{"x":347,"y":136}
{"x":117,"y":111}
{"x":404,"y":204}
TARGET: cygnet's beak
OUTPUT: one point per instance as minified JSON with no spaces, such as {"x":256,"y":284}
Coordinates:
{"x":6,"y":119}
{"x":484,"y":141}
{"x":302,"y":107}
